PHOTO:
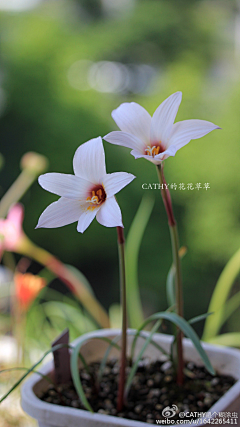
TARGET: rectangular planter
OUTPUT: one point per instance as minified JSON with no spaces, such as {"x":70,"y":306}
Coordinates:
{"x":225,"y":361}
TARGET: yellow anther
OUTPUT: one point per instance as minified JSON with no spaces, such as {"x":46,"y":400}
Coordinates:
{"x":152,"y":151}
{"x":98,"y":197}
{"x":99,"y":193}
{"x":149,"y":150}
{"x":155,"y":151}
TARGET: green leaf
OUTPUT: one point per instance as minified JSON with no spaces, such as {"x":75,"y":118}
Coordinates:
{"x":30,"y":370}
{"x":112,"y":344}
{"x":231,"y":305}
{"x":75,"y":370}
{"x":220,"y":295}
{"x":188,"y":331}
{"x":45,"y":377}
{"x":170,"y":286}
{"x":132,"y":248}
{"x":231,"y":339}
{"x":199,"y":318}
{"x":69,"y":313}
{"x":80,"y":277}
{"x":140,"y":354}
{"x":139,"y":334}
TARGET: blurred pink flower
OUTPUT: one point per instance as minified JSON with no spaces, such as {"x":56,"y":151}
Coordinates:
{"x":11,"y":232}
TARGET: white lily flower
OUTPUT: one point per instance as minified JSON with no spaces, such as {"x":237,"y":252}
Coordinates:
{"x":88,"y":193}
{"x":155,"y":138}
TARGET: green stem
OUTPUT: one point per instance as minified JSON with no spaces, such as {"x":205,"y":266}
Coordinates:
{"x":16,"y":191}
{"x":32,"y":165}
{"x":122,"y":374}
{"x":176,"y":261}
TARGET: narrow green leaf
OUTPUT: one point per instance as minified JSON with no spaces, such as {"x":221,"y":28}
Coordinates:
{"x":30,"y":370}
{"x":132,"y":248}
{"x":47,"y":275}
{"x":80,"y":277}
{"x":140,"y":354}
{"x":75,"y":370}
{"x":231,"y":339}
{"x":231,"y":305}
{"x":138,"y":334}
{"x":199,"y":318}
{"x":112,"y":344}
{"x":170,"y":285}
{"x":188,"y":331}
{"x":220,"y":295}
{"x":170,"y":288}
{"x":45,"y":377}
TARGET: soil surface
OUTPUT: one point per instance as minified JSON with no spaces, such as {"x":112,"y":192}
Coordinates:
{"x":153,"y":389}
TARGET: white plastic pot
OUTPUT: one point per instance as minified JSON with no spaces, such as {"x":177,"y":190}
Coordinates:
{"x":225,"y":361}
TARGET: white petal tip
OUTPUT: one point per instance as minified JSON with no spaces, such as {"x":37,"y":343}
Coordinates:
{"x":39,"y":225}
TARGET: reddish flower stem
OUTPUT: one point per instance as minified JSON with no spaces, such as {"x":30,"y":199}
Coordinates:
{"x":26,"y":247}
{"x":176,"y":261}
{"x":122,"y":373}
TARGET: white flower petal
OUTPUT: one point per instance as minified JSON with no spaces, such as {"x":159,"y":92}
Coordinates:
{"x":151,"y":159}
{"x":60,"y":213}
{"x":171,"y":151}
{"x":109,"y":214}
{"x":183,"y":132}
{"x":86,"y":218}
{"x":114,"y":182}
{"x":126,"y":140}
{"x":89,"y":161}
{"x":164,"y":117}
{"x":69,"y":186}
{"x":159,"y":158}
{"x":134,"y":119}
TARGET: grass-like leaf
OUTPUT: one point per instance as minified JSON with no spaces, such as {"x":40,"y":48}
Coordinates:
{"x":112,"y":344}
{"x":231,"y":305}
{"x":170,"y":288}
{"x":231,"y":339}
{"x":45,"y":377}
{"x":219,"y":297}
{"x":30,"y":370}
{"x":132,"y":247}
{"x":199,"y":318}
{"x":170,"y":285}
{"x":187,"y":330}
{"x":80,"y":277}
{"x":140,"y":354}
{"x":75,"y":370}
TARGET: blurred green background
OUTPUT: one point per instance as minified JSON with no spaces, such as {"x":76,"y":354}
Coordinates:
{"x":65,"y":65}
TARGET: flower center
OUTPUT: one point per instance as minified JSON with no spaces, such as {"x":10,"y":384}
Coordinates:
{"x":154,"y":150}
{"x":97,"y":197}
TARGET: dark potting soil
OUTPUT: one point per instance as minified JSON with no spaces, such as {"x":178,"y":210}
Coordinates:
{"x":153,"y":389}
